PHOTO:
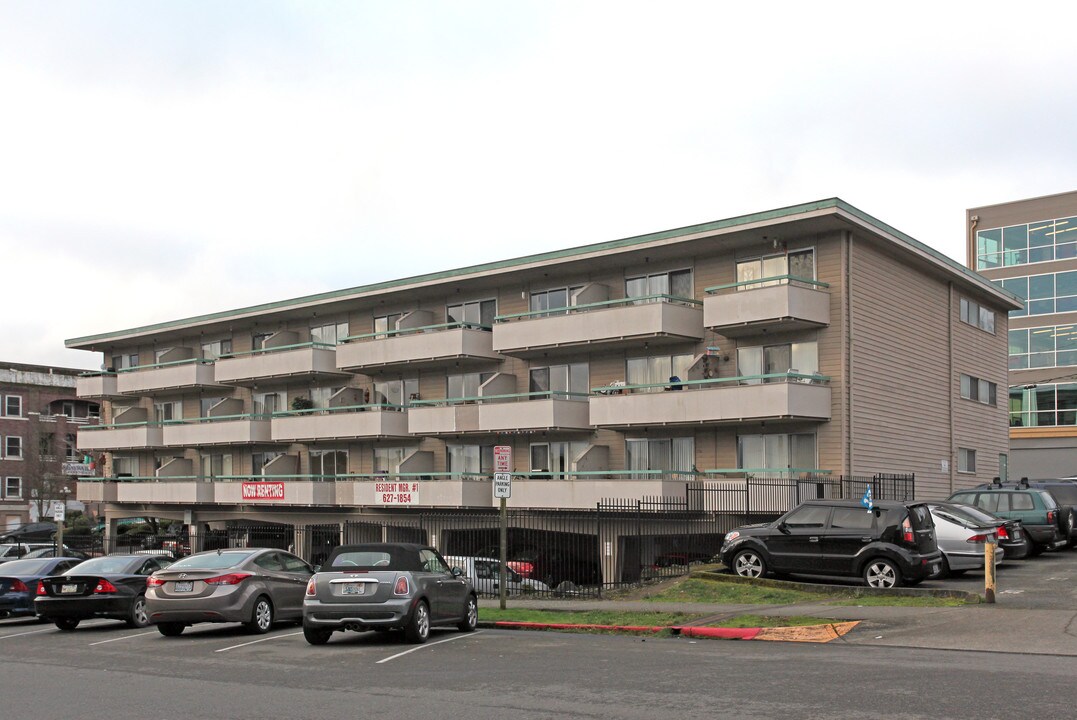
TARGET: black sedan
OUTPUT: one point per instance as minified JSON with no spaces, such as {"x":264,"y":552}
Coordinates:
{"x":104,"y":587}
{"x":19,"y":578}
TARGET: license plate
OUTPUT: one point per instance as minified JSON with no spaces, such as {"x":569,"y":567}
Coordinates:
{"x":186,"y":586}
{"x":69,"y":589}
{"x":354,"y":589}
{"x":934,"y":569}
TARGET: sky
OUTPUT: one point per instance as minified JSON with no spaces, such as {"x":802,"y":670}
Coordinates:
{"x":160,"y":160}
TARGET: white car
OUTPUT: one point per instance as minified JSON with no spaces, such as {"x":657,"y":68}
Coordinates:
{"x":485,"y":576}
{"x":14,"y":551}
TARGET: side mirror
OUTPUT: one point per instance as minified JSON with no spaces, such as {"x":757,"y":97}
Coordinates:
{"x":782,"y":527}
{"x":317,"y":568}
{"x":457,"y":572}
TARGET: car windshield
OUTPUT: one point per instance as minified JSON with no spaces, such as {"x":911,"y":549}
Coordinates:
{"x":25,"y":567}
{"x":116,"y":565}
{"x":210,"y":561}
{"x":375,"y":558}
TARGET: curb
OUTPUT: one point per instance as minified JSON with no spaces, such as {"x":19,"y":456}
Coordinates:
{"x":807,"y":633}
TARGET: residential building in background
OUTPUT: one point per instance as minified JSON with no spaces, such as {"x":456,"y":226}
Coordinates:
{"x":39,"y":418}
{"x":1029,"y":247}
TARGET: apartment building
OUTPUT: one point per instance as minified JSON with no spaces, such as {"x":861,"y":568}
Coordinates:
{"x":802,"y":340}
{"x":1029,"y":248}
{"x":39,"y":418}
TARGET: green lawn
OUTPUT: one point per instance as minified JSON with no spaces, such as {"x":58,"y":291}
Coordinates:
{"x":697,"y":590}
{"x":646,"y":619}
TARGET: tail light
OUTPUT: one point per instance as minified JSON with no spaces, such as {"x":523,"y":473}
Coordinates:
{"x":104,"y":586}
{"x":906,"y":532}
{"x":982,"y":537}
{"x":152,"y":581}
{"x":19,"y":586}
{"x":41,"y":588}
{"x":1052,"y":516}
{"x":1002,"y":533}
{"x":401,"y":587}
{"x":229,"y":579}
{"x":312,"y":588}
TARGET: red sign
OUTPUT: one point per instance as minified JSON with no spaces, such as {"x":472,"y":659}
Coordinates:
{"x":502,"y":458}
{"x":263,"y":491}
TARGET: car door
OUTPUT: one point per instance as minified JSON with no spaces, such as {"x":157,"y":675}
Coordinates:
{"x":796,"y":545}
{"x":850,"y":529}
{"x":276,"y":582}
{"x":296,"y":574}
{"x":447,"y":591}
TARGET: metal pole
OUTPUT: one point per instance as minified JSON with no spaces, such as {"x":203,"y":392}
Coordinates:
{"x":989,"y":570}
{"x":501,"y":589}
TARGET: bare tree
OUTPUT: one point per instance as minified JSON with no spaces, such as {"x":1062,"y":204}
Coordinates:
{"x":43,"y":459}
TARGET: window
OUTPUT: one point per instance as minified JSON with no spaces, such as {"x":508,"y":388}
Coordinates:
{"x":570,"y":378}
{"x":71,"y":450}
{"x":976,"y":315}
{"x":553,"y":300}
{"x":216,"y":349}
{"x":260,"y":459}
{"x":124,"y":466}
{"x":662,"y":455}
{"x":776,"y":452}
{"x":1043,"y":347}
{"x":13,"y":447}
{"x":268,"y":403}
{"x":656,"y":370}
{"x":966,"y":460}
{"x":979,"y":390}
{"x":808,"y":517}
{"x":387,"y":460}
{"x":1039,"y":241}
{"x":555,"y":458}
{"x":67,"y":409}
{"x":1044,"y":405}
{"x":165,"y":411}
{"x":330,"y":334}
{"x":477,"y":312}
{"x":801,"y":358}
{"x":677,"y":283}
{"x":797,"y":264}
{"x":1044,"y":294}
{"x":465,"y":385}
{"x":1021,"y":501}
{"x":12,"y":487}
{"x":470,"y":458}
{"x":258,"y":340}
{"x":13,"y":405}
{"x":384,"y":324}
{"x":328,"y":463}
{"x":319,"y":396}
{"x":851,"y":519}
{"x":124,"y":362}
{"x":396,"y":392}
{"x":219,"y":465}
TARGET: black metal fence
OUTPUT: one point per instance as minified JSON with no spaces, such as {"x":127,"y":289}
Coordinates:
{"x":562,"y":552}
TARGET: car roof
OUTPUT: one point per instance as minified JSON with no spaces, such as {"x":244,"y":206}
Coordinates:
{"x":882,"y":504}
{"x":413,"y":547}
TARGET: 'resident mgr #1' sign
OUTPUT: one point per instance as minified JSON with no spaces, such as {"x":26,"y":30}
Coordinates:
{"x":263,"y":491}
{"x":396,"y":493}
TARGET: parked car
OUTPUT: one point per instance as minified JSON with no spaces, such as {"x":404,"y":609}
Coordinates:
{"x":16,"y":550}
{"x":485,"y":576}
{"x":113,"y":586}
{"x":253,"y":586}
{"x":30,"y":532}
{"x":387,"y":586}
{"x":891,"y":544}
{"x":962,"y":539}
{"x":19,"y":578}
{"x":50,"y":551}
{"x":1036,"y":509}
{"x":1064,"y":492}
{"x":1011,"y":536}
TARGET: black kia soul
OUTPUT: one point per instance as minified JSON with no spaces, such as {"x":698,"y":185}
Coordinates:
{"x":889,"y":545}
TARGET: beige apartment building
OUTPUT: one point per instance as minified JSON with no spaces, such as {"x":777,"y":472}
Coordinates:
{"x":1029,"y":248}
{"x":802,"y":340}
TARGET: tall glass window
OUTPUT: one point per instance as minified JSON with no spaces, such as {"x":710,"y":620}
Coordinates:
{"x":677,"y":283}
{"x":397,"y":392}
{"x":476,"y":312}
{"x":465,"y":385}
{"x":1052,"y":346}
{"x":798,"y":264}
{"x":386,"y":323}
{"x":330,"y":334}
{"x":1034,"y":242}
{"x":216,"y":349}
{"x":800,"y":357}
{"x":219,"y":465}
{"x":656,"y":370}
{"x":470,"y":458}
{"x":1044,"y":405}
{"x":555,"y":458}
{"x":328,"y":463}
{"x":387,"y":460}
{"x":555,"y":301}
{"x":569,"y":378}
{"x":776,"y":451}
{"x":662,"y":454}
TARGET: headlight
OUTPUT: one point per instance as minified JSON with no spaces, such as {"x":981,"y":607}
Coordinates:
{"x":731,"y":537}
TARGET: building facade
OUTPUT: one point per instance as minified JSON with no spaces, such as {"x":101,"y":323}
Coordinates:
{"x":40,"y":415}
{"x":803,"y":340}
{"x":1029,"y":247}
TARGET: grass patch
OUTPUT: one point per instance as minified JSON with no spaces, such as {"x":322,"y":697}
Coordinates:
{"x":587,"y":617}
{"x":751,"y":621}
{"x":874,"y":601}
{"x":697,"y":590}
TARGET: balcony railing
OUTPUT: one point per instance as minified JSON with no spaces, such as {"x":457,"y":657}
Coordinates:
{"x":311,"y":360}
{"x":780,"y":302}
{"x":97,"y":385}
{"x":659,"y":318}
{"x":120,"y":436}
{"x":519,"y":412}
{"x":417,"y":347}
{"x":243,"y":429}
{"x":191,"y":373}
{"x":373,"y":420}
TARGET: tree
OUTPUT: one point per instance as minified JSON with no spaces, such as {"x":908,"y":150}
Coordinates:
{"x":43,"y":458}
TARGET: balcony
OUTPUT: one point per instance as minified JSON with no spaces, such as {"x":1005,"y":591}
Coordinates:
{"x":657,"y":319}
{"x":780,"y":397}
{"x":221,"y":430}
{"x":336,"y":423}
{"x":513,"y":412}
{"x":305,"y":361}
{"x":141,"y":435}
{"x":456,"y":490}
{"x":776,"y":304}
{"x":587,"y":489}
{"x":420,"y":347}
{"x":254,"y":490}
{"x":168,"y":377}
{"x":97,"y":385}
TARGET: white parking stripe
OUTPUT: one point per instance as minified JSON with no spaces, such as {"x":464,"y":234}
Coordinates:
{"x":125,"y":637}
{"x":252,"y":642}
{"x":420,"y":647}
{"x":32,"y":632}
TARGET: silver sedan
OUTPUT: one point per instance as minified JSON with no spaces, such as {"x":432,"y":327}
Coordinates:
{"x":961,"y":540}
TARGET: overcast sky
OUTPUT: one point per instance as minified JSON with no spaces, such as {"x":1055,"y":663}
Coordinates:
{"x":163,"y":160}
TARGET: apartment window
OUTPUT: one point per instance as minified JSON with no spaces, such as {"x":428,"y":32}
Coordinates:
{"x":560,"y":379}
{"x":260,"y":459}
{"x":124,"y":362}
{"x":776,"y":451}
{"x":656,"y":370}
{"x":216,"y":349}
{"x":387,"y":460}
{"x":71,"y":451}
{"x":478,"y":459}
{"x":93,"y":410}
{"x":124,"y":466}
{"x":1052,"y":346}
{"x":979,"y":390}
{"x":977,"y":315}
{"x":555,"y":458}
{"x":554,"y":300}
{"x":13,"y":405}
{"x":13,"y":447}
{"x":799,"y":357}
{"x":328,"y":463}
{"x":396,"y":392}
{"x":258,"y":340}
{"x":218,"y":465}
{"x":966,"y":460}
{"x":662,"y":454}
{"x":677,"y":283}
{"x":330,"y":334}
{"x":465,"y":385}
{"x":1039,"y":241}
{"x":476,"y":312}
{"x":166,"y":411}
{"x":386,"y":323}
{"x":1044,"y":294}
{"x":1044,"y":405}
{"x":13,"y":488}
{"x":268,"y":403}
{"x":759,"y":272}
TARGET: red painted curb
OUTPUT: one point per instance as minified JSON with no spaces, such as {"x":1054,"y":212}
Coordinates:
{"x":698,"y":632}
{"x":723,"y":633}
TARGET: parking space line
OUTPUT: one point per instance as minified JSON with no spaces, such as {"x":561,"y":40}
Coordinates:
{"x":31,"y":632}
{"x":252,"y":642}
{"x":420,"y":647}
{"x":125,"y":637}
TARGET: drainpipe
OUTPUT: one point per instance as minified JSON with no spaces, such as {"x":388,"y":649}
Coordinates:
{"x":846,"y":353}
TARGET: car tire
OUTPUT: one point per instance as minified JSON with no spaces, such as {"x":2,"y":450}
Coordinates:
{"x":138,"y":617}
{"x":750,"y":564}
{"x":882,"y":573}
{"x":171,"y":629}
{"x":946,"y":571}
{"x":471,"y":615}
{"x":316,"y":636}
{"x":261,"y":616}
{"x":66,"y":624}
{"x":418,"y":627}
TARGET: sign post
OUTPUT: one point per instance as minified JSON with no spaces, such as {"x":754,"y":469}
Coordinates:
{"x":503,"y":490}
{"x":59,"y":515}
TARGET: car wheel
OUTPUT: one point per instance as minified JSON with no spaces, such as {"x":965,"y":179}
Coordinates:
{"x":881,"y":573}
{"x":316,"y":636}
{"x":471,"y":615}
{"x":262,"y":616}
{"x":171,"y":629}
{"x":749,"y":563}
{"x":66,"y":624}
{"x":418,"y":629}
{"x":138,"y":618}
{"x":945,"y":572}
